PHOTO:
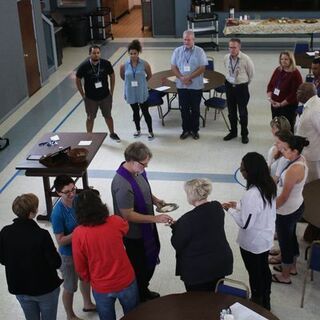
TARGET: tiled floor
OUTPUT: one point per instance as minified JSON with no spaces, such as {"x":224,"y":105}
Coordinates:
{"x":174,"y":161}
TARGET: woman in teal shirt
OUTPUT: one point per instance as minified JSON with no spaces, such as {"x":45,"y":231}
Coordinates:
{"x":136,"y":72}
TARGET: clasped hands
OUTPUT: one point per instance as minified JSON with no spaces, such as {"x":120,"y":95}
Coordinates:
{"x":228,"y":205}
{"x":186,"y":80}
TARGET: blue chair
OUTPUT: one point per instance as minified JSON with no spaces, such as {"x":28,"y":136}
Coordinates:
{"x":233,"y":287}
{"x":313,"y":264}
{"x":210,"y":65}
{"x":301,"y":47}
{"x":218,"y":104}
{"x":155,"y":100}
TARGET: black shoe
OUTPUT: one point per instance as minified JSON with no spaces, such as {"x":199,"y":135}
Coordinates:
{"x":245,"y":139}
{"x":229,"y":136}
{"x":150,"y":295}
{"x":184,"y":135}
{"x":195,"y":135}
{"x":115,"y":137}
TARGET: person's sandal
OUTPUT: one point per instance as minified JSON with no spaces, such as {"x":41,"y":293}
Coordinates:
{"x":274,"y":260}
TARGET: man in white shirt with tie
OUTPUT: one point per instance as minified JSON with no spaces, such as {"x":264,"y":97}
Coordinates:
{"x":240,"y":70}
{"x":308,"y":125}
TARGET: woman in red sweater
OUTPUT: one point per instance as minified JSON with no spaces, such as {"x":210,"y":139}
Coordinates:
{"x":283,"y":86}
{"x":100,"y":257}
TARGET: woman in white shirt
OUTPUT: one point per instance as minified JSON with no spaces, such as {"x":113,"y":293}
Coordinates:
{"x":275,"y":158}
{"x":255,"y":214}
{"x":290,"y":205}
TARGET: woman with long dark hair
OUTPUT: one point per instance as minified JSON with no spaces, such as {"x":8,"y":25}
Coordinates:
{"x":100,"y":257}
{"x":255,"y":214}
{"x":290,"y":205}
{"x":136,"y":72}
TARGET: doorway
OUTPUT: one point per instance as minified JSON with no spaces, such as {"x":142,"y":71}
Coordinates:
{"x":130,"y":25}
{"x":29,"y":45}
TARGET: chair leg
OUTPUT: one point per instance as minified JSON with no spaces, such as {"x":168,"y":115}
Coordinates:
{"x":160,"y":113}
{"x":304,"y":288}
{"x":224,"y":118}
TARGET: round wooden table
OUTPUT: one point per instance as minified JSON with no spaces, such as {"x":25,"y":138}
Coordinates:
{"x":191,"y":306}
{"x":158,"y":79}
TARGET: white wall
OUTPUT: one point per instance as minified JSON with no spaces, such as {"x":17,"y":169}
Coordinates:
{"x":134,"y":3}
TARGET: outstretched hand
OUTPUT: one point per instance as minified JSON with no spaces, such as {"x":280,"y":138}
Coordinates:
{"x":163,"y":218}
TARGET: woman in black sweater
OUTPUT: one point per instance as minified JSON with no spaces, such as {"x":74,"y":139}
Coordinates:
{"x":31,"y":261}
{"x":202,"y":251}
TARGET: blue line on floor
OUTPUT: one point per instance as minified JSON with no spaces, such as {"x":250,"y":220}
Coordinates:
{"x":165,"y":176}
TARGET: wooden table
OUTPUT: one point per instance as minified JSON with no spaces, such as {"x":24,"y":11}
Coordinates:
{"x":273,"y":27}
{"x":191,"y":306}
{"x":158,"y":79}
{"x":35,"y":169}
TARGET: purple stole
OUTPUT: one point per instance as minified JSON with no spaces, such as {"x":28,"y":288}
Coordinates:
{"x":148,"y":230}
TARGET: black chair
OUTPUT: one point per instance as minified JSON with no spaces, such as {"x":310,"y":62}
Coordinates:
{"x":233,"y":287}
{"x":313,"y":264}
{"x":218,"y":104}
{"x":155,"y":100}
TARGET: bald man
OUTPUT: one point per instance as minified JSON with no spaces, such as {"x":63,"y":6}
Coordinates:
{"x":308,"y":125}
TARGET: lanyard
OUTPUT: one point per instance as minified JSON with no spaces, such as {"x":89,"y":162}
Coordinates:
{"x":185,"y":56}
{"x":288,"y":165}
{"x":93,"y":68}
{"x":281,"y":76}
{"x":233,"y":67}
{"x":134,"y":70}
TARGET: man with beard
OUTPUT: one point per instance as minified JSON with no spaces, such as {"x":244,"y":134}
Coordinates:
{"x":96,"y":93}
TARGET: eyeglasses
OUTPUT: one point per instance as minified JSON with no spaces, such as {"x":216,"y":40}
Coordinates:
{"x":69,"y":191}
{"x":143,"y":164}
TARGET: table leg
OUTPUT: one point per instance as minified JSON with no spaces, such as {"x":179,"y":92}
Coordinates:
{"x":85,"y":182}
{"x":311,"y":42}
{"x":169,"y":104}
{"x":47,"y":195}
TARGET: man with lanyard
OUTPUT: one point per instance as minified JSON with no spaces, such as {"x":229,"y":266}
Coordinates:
{"x":96,"y":93}
{"x":188,"y":63}
{"x":315,"y":69}
{"x":240,"y":71}
{"x":134,"y":201}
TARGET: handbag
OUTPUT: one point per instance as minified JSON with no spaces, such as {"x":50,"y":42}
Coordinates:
{"x":55,"y":159}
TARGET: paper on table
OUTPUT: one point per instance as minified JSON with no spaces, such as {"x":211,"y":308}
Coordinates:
{"x":163,"y":88}
{"x":241,"y":312}
{"x":173,"y":78}
{"x":312,"y":53}
{"x":85,"y":143}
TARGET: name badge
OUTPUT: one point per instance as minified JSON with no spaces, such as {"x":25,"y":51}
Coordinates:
{"x":276,"y":91}
{"x":186,"y":68}
{"x":232,"y":79}
{"x":134,"y":83}
{"x":98,"y":84}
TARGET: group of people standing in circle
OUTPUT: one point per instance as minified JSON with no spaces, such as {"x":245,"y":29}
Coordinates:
{"x":115,"y":255}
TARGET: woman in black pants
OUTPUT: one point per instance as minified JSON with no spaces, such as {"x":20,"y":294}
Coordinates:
{"x":136,"y":72}
{"x":256,"y":215}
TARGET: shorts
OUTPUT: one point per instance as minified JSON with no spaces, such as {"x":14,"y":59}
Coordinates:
{"x":92,"y":107}
{"x":69,"y":274}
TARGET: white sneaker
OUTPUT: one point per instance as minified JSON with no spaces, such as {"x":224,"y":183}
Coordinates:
{"x":137,"y":134}
{"x":150,"y":136}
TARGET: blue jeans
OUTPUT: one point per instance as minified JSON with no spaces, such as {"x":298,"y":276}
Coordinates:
{"x":286,"y":231}
{"x":128,"y":297}
{"x":42,"y":307}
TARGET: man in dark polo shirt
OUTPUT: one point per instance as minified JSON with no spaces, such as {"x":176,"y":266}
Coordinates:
{"x":96,"y":93}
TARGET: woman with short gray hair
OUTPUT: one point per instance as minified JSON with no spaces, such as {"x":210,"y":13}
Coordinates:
{"x":202,"y":251}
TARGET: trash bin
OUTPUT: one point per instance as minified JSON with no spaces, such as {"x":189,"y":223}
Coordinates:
{"x":78,"y":31}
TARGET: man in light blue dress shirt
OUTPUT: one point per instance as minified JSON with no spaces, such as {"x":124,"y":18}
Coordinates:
{"x":188,"y":63}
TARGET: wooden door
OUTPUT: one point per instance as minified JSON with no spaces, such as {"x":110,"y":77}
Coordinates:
{"x":29,"y":45}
